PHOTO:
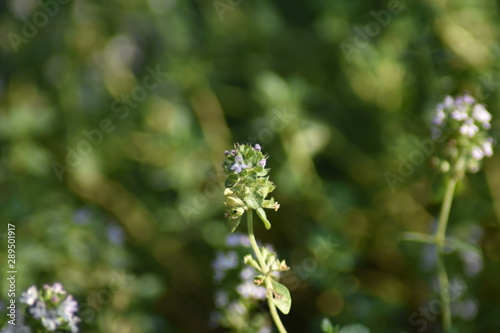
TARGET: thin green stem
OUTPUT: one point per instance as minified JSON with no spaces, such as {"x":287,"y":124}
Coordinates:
{"x":440,"y":243}
{"x":265,"y":271}
{"x":272,"y":308}
{"x":445,"y":213}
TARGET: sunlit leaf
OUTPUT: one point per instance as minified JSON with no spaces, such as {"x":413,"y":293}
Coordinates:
{"x":281,"y":297}
{"x":327,"y":327}
{"x":263,"y":217}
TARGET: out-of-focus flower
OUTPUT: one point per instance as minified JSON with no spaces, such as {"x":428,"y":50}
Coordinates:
{"x":52,"y":308}
{"x":115,"y":234}
{"x":237,"y":239}
{"x":248,"y":289}
{"x":473,"y":263}
{"x":221,"y":298}
{"x":224,"y":262}
{"x":459,"y":128}
{"x":29,"y":296}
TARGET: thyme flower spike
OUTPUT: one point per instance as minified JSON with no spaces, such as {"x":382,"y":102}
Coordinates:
{"x":246,"y":189}
{"x":247,"y":184}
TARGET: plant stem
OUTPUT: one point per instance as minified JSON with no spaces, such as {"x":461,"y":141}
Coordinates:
{"x":265,"y":271}
{"x":440,"y":244}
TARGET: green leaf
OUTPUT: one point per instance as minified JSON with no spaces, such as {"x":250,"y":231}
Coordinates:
{"x":281,"y":297}
{"x":263,"y":217}
{"x":233,"y":223}
{"x":354,"y":328}
{"x":461,"y":246}
{"x":252,"y":202}
{"x":231,"y":180}
{"x":327,"y":327}
{"x":418,"y":237}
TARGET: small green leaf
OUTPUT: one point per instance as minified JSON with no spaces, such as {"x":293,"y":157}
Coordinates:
{"x":418,"y":237}
{"x":263,"y":217}
{"x":249,"y":260}
{"x":233,"y":223}
{"x":252,"y":202}
{"x":327,"y":327}
{"x":281,"y":297}
{"x":354,"y":328}
{"x":231,"y":180}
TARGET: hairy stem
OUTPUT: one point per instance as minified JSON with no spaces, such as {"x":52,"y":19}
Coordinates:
{"x":440,"y":244}
{"x":265,"y":271}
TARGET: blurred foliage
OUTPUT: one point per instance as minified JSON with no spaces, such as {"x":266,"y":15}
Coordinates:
{"x":131,"y":224}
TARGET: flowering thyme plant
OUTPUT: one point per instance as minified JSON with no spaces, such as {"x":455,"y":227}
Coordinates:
{"x":459,"y":128}
{"x":461,"y":125}
{"x":50,"y":309}
{"x":247,"y":184}
{"x":246,"y":189}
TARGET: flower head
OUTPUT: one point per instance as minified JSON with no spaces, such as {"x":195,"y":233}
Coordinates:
{"x":459,"y":128}
{"x":247,"y":184}
{"x":52,"y":308}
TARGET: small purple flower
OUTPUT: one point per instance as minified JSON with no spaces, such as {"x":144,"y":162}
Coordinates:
{"x":224,"y":262}
{"x":448,"y":102}
{"x":468,"y":309}
{"x":262,"y":162}
{"x":39,"y":310}
{"x":482,"y":115}
{"x":236,"y":309}
{"x":248,"y":289}
{"x":257,"y":147}
{"x":57,"y":288}
{"x":238,"y":166}
{"x":487,"y":147}
{"x":226,"y":152}
{"x":473,"y":263}
{"x":29,"y":297}
{"x":477,"y":153}
{"x":115,"y":234}
{"x":465,"y":99}
{"x":459,"y":115}
{"x":68,"y":308}
{"x":440,"y":116}
{"x":221,"y":298}
{"x":469,"y":128}
{"x":248,"y":273}
{"x":237,"y":239}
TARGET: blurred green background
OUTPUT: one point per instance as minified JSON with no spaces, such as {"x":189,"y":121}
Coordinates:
{"x":114,"y":117}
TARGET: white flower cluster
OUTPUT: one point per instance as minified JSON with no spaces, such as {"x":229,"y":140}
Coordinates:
{"x":460,"y":125}
{"x":52,"y":307}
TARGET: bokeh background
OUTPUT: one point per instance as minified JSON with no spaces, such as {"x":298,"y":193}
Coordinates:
{"x":127,"y":212}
